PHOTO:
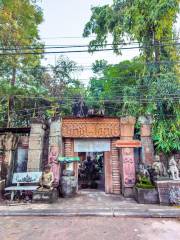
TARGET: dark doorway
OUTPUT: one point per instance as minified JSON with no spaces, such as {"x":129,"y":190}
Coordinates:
{"x":21,"y":158}
{"x":91,"y":171}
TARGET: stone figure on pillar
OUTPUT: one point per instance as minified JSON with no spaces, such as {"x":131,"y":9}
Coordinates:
{"x":55,"y":166}
{"x":158,"y":167}
{"x":47,"y":179}
{"x":173,"y":169}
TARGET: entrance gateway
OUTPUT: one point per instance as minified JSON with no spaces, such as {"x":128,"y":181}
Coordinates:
{"x":101,"y":135}
{"x":92,"y":167}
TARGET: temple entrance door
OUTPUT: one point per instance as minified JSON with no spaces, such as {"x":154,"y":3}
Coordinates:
{"x":94,"y":171}
{"x":91,"y":171}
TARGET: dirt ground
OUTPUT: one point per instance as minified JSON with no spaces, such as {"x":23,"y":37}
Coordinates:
{"x":88,"y":228}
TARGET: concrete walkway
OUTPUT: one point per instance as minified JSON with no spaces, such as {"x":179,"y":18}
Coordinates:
{"x":88,"y":228}
{"x":91,"y":203}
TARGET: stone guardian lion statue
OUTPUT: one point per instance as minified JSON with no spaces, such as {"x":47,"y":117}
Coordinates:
{"x":173,"y":170}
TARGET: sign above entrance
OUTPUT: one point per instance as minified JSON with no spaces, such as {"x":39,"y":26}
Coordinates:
{"x":68,"y":159}
{"x":128,"y":143}
{"x":85,"y":145}
{"x":98,"y":127}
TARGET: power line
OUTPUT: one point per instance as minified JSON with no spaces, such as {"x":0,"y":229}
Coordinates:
{"x":33,"y":47}
{"x":125,"y":42}
{"x":76,"y":51}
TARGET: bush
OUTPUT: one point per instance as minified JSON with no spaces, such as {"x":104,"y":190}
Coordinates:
{"x":144,"y":182}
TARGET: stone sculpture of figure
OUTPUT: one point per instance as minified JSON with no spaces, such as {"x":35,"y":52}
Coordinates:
{"x":173,"y":170}
{"x":46,"y":180}
{"x":158,"y":167}
{"x":55,"y":166}
{"x":143,"y":170}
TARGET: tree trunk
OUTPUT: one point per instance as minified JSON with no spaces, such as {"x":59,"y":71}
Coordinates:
{"x":156,"y":51}
{"x":11,"y":98}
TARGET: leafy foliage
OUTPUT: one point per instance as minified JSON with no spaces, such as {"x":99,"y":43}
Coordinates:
{"x":153,"y":88}
{"x":144,"y":182}
{"x":18,"y":35}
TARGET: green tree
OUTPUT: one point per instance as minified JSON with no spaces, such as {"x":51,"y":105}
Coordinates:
{"x":63,"y":85}
{"x":148,"y":22}
{"x":151,"y":25}
{"x":18,"y":35}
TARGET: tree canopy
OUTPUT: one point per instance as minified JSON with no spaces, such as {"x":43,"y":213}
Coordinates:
{"x":152,"y":87}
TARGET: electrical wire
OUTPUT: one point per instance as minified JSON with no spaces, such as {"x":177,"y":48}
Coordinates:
{"x":77,"y":51}
{"x":73,"y":46}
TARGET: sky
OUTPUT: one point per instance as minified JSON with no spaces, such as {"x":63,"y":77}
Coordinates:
{"x":64,"y":21}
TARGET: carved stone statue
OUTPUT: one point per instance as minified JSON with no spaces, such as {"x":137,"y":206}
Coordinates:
{"x":173,"y":169}
{"x":158,"y":167}
{"x":55,"y":166}
{"x":143,"y":170}
{"x":46,"y":180}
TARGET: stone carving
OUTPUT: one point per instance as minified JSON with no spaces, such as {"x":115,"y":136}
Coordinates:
{"x":46,"y":180}
{"x":174,"y":195}
{"x":55,"y":166}
{"x":79,"y":108}
{"x":91,"y":127}
{"x":159,"y":168}
{"x":142,"y":170}
{"x":173,"y":169}
{"x":128,"y":167}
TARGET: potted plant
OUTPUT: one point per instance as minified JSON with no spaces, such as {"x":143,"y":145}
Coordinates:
{"x":145,"y":191}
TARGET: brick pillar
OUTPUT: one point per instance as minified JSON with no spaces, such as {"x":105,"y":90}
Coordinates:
{"x":146,"y":140}
{"x":127,"y":160}
{"x":68,"y":147}
{"x":69,"y":152}
{"x":35,"y":150}
{"x":116,"y":179}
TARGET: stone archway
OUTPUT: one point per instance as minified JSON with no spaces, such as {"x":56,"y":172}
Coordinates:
{"x":97,"y":129}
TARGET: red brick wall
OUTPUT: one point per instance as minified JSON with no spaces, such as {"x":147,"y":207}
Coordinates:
{"x":69,"y":152}
{"x":68,"y":147}
{"x":116,"y":179}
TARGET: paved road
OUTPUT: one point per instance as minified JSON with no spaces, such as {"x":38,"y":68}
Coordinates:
{"x":88,"y":228}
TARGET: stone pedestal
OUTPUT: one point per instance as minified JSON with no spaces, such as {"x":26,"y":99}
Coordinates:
{"x":146,"y":140}
{"x":146,"y":196}
{"x":36,"y":140}
{"x":69,"y":185}
{"x":127,"y":157}
{"x":169,"y":192}
{"x":45,"y":196}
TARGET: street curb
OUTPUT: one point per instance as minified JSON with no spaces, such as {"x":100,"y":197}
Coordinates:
{"x":150,"y":213}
